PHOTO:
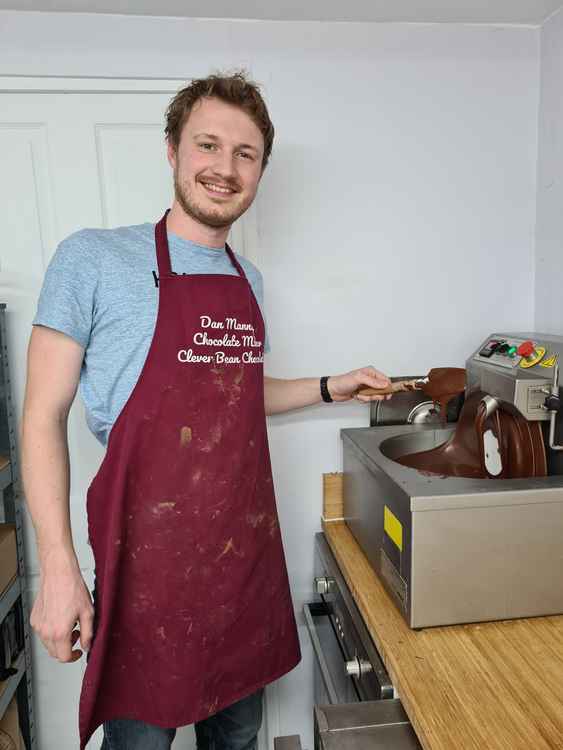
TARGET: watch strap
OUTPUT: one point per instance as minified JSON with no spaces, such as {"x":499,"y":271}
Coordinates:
{"x":325,"y":395}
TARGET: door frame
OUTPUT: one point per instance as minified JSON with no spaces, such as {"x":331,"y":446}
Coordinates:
{"x":244,"y":234}
{"x":88,"y":84}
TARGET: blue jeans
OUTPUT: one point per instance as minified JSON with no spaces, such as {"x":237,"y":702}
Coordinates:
{"x":233,"y":728}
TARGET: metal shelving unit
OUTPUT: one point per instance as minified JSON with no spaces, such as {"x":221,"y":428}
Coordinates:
{"x":19,"y":684}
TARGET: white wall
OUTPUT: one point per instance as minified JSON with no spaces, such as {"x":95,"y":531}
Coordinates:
{"x":396,"y":220}
{"x":549,"y":230}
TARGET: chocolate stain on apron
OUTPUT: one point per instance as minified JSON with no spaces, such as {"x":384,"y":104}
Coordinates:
{"x":192,"y":603}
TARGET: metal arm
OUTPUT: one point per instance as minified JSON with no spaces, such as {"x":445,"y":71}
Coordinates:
{"x":491,"y":405}
{"x":554,"y":402}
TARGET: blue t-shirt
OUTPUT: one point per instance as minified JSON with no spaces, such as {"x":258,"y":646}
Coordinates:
{"x":99,"y":289}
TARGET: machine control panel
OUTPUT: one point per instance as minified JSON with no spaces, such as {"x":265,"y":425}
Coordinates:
{"x":510,"y":352}
{"x":501,"y":351}
{"x":517,"y":369}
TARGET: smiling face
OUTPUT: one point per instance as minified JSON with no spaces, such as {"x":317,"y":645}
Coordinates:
{"x":218,"y":163}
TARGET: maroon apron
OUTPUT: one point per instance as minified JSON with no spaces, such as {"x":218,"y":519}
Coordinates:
{"x":192,"y":604}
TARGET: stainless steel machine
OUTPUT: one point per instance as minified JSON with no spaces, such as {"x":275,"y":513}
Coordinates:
{"x":457,"y":549}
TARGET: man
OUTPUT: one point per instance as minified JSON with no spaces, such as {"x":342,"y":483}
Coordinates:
{"x":162,"y":327}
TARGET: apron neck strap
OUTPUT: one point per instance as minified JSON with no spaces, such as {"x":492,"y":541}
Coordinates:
{"x":235,"y":262}
{"x":163,"y":252}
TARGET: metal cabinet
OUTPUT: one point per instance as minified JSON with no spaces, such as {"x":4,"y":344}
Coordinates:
{"x":19,"y":684}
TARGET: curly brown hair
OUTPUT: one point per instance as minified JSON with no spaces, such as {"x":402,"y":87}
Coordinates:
{"x":234,"y":89}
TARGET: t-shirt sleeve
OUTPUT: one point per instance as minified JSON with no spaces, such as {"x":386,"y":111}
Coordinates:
{"x":68,"y":295}
{"x":255,"y":278}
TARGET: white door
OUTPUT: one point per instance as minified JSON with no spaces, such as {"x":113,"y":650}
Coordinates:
{"x":92,"y":155}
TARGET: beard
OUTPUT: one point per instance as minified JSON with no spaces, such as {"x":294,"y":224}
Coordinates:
{"x":219,"y":217}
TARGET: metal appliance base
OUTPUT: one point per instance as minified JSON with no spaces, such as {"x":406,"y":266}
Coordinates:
{"x":452,"y":550}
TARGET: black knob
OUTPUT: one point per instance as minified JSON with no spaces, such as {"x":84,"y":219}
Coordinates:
{"x":553,"y":403}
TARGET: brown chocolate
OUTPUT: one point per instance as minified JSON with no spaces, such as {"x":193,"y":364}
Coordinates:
{"x":521,"y":445}
{"x":443,"y":384}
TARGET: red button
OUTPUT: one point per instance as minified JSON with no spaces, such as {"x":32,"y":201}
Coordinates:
{"x":526,"y":349}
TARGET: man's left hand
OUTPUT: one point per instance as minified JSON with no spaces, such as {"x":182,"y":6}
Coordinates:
{"x":345,"y":387}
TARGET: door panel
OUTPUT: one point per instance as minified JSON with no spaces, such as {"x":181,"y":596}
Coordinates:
{"x":72,"y":160}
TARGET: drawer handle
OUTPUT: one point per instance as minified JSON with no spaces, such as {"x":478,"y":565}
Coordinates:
{"x":324,"y":585}
{"x":327,"y":680}
{"x":358,"y":667}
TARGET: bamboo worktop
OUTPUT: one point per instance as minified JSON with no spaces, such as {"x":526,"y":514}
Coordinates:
{"x":488,"y":686}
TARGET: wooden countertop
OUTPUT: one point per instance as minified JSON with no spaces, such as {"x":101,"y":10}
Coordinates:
{"x":489,"y":686}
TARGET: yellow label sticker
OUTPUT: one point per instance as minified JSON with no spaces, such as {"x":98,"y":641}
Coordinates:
{"x":550,"y":361}
{"x":392,"y":527}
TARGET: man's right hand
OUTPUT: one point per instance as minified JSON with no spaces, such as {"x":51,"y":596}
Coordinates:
{"x":62,"y":601}
{"x":53,"y":373}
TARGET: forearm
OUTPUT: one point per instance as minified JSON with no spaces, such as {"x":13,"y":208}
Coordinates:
{"x":46,"y":480}
{"x":285,"y":395}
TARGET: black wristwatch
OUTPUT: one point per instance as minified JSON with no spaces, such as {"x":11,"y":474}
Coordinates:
{"x":327,"y":398}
